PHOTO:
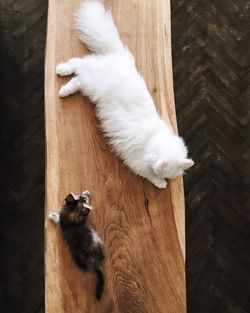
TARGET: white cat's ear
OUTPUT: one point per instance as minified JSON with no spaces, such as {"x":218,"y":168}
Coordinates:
{"x":187,"y":163}
{"x":160,"y":167}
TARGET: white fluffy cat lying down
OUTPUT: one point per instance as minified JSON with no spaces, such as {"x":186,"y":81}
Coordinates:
{"x":124,"y":106}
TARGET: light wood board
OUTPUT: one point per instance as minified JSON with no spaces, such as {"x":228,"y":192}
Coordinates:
{"x":142,"y":226}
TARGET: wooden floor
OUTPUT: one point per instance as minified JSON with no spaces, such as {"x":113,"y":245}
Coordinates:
{"x":211,"y":65}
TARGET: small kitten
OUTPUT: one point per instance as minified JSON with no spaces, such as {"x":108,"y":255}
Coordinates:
{"x":124,"y":107}
{"x":85,"y":245}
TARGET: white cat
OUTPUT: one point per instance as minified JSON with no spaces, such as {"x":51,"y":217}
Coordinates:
{"x":124,"y":106}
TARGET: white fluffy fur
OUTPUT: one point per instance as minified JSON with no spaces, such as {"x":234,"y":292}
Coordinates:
{"x":96,"y":238}
{"x":124,"y":106}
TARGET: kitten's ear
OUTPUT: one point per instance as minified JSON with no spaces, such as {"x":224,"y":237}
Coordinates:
{"x":86,"y":211}
{"x":160,"y":167}
{"x":187,"y":163}
{"x":70,"y":199}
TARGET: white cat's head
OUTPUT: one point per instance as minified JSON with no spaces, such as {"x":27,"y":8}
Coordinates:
{"x":170,"y":159}
{"x":171,"y":169}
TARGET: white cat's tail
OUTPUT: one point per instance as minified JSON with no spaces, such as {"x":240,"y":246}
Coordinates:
{"x":97,"y":29}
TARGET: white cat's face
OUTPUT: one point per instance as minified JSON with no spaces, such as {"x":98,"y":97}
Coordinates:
{"x":164,"y":169}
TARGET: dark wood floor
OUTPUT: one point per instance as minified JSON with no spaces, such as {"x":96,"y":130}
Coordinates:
{"x":211,"y":41}
{"x":22,"y":39}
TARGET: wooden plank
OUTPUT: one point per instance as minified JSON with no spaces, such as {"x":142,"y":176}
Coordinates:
{"x":142,"y":226}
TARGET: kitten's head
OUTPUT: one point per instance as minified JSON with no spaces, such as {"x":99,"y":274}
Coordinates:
{"x":171,"y":168}
{"x":75,"y":209}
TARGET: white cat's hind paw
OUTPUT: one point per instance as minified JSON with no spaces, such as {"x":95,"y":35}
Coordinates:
{"x":55,"y":217}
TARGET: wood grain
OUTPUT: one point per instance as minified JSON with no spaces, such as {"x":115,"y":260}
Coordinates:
{"x":142,"y":226}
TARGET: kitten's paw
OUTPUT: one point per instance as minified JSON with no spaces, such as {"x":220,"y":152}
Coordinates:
{"x":64,"y":69}
{"x":86,"y":192}
{"x":55,"y":217}
{"x":160,"y":183}
{"x":87,"y":196}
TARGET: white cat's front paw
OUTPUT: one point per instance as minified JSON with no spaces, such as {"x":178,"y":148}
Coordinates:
{"x":55,"y":217}
{"x":63,"y":92}
{"x":160,"y":183}
{"x":63,"y":69}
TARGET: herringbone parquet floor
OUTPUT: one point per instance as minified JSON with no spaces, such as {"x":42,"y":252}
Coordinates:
{"x":211,"y":41}
{"x":22,"y":39}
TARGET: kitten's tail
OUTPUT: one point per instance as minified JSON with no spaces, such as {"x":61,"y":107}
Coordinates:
{"x":99,"y":283}
{"x":97,"y":29}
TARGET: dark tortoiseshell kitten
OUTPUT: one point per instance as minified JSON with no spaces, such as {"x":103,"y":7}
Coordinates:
{"x":85,"y":245}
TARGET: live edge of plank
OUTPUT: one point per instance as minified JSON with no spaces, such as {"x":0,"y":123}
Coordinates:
{"x":142,"y":227}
